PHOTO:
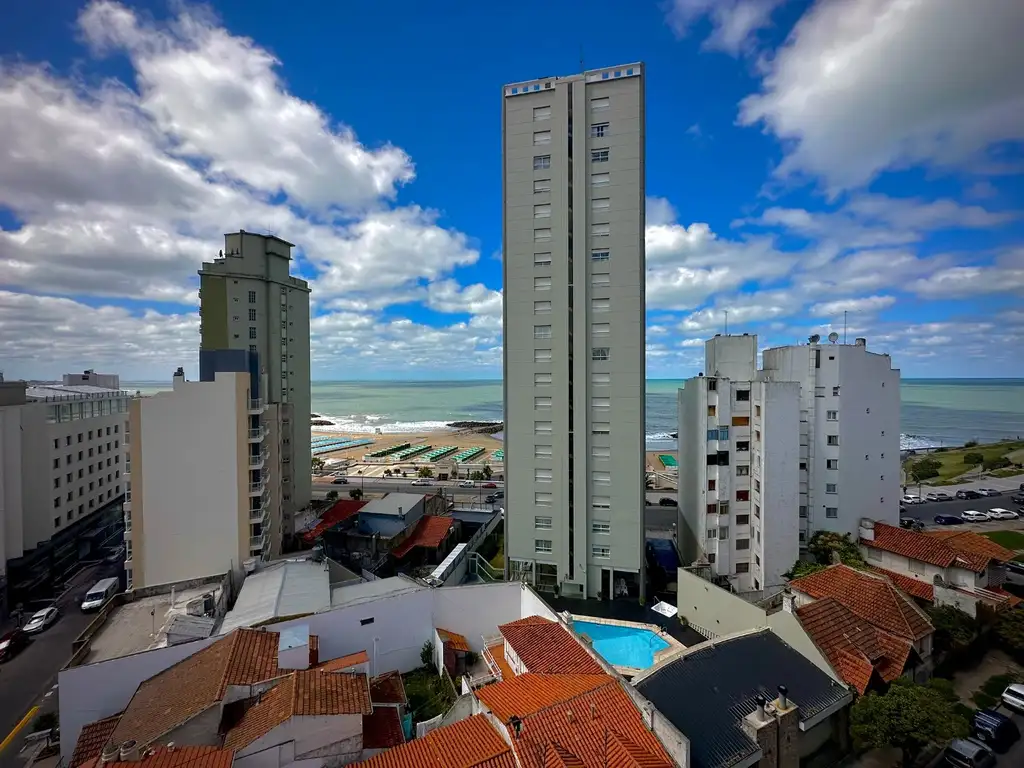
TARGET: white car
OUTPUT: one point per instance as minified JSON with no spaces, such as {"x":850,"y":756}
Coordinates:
{"x":998,"y":513}
{"x":911,"y":498}
{"x":938,"y":496}
{"x":467,"y":484}
{"x":42,"y":620}
{"x":973,"y":516}
{"x":421,"y":481}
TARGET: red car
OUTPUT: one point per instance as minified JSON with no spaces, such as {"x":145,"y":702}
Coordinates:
{"x":10,"y":644}
{"x":489,"y":485}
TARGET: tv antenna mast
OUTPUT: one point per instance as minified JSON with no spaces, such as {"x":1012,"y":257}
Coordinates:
{"x":726,"y":313}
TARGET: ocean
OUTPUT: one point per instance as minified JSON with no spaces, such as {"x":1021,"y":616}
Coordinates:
{"x":934,"y":412}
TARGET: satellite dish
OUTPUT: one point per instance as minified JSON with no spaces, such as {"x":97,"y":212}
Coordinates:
{"x":813,"y":339}
{"x":833,"y":337}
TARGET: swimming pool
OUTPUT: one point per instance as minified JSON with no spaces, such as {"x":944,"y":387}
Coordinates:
{"x":622,"y":646}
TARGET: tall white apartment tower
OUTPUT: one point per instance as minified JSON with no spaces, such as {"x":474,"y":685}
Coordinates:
{"x":574,"y":334}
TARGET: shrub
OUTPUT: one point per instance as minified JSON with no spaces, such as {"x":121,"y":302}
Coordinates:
{"x":970,"y":444}
{"x":973,"y":458}
{"x":427,"y":654}
{"x":996,"y":462}
{"x":355,"y":493}
{"x":425,"y":472}
{"x":332,"y":495}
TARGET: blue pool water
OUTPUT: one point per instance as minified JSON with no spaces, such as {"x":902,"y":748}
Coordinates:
{"x":622,"y":646}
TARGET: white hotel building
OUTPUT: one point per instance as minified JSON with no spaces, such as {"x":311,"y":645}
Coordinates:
{"x":573,"y":245}
{"x":810,"y":442}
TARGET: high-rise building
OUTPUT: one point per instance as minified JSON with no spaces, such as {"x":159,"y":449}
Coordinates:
{"x":198,"y":500}
{"x":574,"y":334}
{"x":249,"y":301}
{"x":769,"y":457}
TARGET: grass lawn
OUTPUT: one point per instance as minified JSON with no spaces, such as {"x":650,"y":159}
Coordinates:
{"x":498,"y":561}
{"x":951,"y":462}
{"x":991,"y":690}
{"x":429,"y":694}
{"x":1009,"y":539}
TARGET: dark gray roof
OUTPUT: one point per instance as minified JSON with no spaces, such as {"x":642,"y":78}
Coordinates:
{"x":707,"y":693}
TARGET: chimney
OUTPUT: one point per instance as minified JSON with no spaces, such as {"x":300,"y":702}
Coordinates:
{"x":568,"y":715}
{"x":110,"y":753}
{"x":130,"y":751}
{"x":788,"y":601}
{"x":783,"y":697}
{"x":517,"y":726}
{"x":178,"y":378}
{"x":760,"y":701}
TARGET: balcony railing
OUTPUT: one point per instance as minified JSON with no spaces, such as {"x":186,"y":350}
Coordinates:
{"x":257,"y":434}
{"x":257,"y":406}
{"x":258,"y":459}
{"x":256,"y":542}
{"x":255,"y":489}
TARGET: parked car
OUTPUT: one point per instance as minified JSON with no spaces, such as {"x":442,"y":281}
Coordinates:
{"x":995,"y":729}
{"x":116,"y":555}
{"x":339,"y":481}
{"x":911,"y":523}
{"x":967,"y":494}
{"x":491,"y":499}
{"x":990,"y":492}
{"x":998,"y":513}
{"x":467,"y":484}
{"x":974,"y":516}
{"x":1013,"y":697}
{"x":101,"y":592}
{"x":499,"y":494}
{"x":911,"y":498}
{"x":42,"y":620}
{"x":489,"y":485}
{"x":667,"y":501}
{"x":938,"y":496}
{"x":968,"y":753}
{"x":1015,"y":573}
{"x":948,"y":520}
{"x":1017,"y":498}
{"x":421,"y":481}
{"x":12,"y":643}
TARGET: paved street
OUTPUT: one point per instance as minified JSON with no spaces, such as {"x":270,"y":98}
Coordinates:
{"x":926,"y":512}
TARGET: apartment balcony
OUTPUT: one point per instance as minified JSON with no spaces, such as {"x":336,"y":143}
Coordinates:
{"x":127,"y":535}
{"x":258,"y":489}
{"x":256,"y":543}
{"x":257,"y":435}
{"x":261,"y":514}
{"x":256,"y":461}
{"x":257,"y":407}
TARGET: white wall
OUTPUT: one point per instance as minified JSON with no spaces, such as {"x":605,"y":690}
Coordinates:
{"x":731,"y":357}
{"x":189,"y":505}
{"x":531,"y":604}
{"x":11,"y":522}
{"x":692,"y":405}
{"x":779,"y":524}
{"x":476,"y":610}
{"x":338,"y":735}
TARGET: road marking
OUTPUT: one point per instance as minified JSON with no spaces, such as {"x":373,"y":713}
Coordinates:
{"x":22,"y":723}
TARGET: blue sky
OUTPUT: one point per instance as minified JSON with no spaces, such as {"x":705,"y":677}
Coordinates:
{"x":797,"y":167}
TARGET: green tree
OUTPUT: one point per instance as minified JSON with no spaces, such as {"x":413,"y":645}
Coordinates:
{"x":925,"y":469}
{"x":953,"y":627}
{"x":425,"y":472}
{"x":908,"y":716}
{"x":317,"y":463}
{"x":803,"y":568}
{"x":1010,"y":630}
{"x":824,"y":543}
{"x":427,"y":654}
{"x":487,"y":471}
{"x":996,"y":462}
{"x":355,"y":493}
{"x":332,"y":495}
{"x":476,"y":476}
{"x":973,"y":458}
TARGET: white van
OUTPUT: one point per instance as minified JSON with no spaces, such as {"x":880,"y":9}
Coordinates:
{"x":102,"y":590}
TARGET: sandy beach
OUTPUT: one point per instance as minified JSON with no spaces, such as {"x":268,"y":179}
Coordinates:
{"x":461,"y":439}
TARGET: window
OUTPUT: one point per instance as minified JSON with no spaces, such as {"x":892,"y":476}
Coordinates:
{"x":741,"y":421}
{"x":542,"y":499}
{"x":712,"y":410}
{"x":723,"y":532}
{"x":542,"y":185}
{"x":600,"y":379}
{"x":599,"y":230}
{"x":542,"y":427}
{"x":600,"y":305}
{"x":601,"y":428}
{"x":832,"y":415}
{"x":832,"y":440}
{"x":601,"y":502}
{"x":600,"y":353}
{"x":832,"y":512}
{"x":742,"y":519}
{"x":252,"y":297}
{"x":56,"y":443}
{"x":757,"y":411}
{"x":542,"y":355}
{"x":803,"y":511}
{"x":600,"y":179}
{"x":712,"y":533}
{"x":835,"y":391}
{"x":832,"y":464}
{"x":541,"y":308}
{"x":542,"y":546}
{"x":831,"y":488}
{"x":601,"y":452}
{"x":542,"y":451}
{"x":742,"y":544}
{"x":600,"y":105}
{"x":723,"y":507}
{"x":602,"y":403}
{"x":712,"y":434}
{"x":541,"y":113}
{"x":743,"y":446}
{"x":742,"y":568}
{"x":56,"y":463}
{"x":542,"y":475}
{"x":742,"y":470}
{"x":599,"y":156}
{"x":711,"y":558}
{"x":541,"y":331}
{"x":601,"y":529}
{"x":252,"y":315}
{"x":541,"y":378}
{"x":600,"y":329}
{"x":742,"y":395}
{"x":543,"y":522}
{"x":542,"y":235}
{"x":723,"y":433}
{"x":742,"y":495}
{"x":757,"y":510}
{"x":252,"y":348}
{"x":541,"y":162}
{"x":542,"y":403}
{"x":540,"y":138}
{"x":542,"y":211}
{"x":711,"y":509}
{"x":600,"y":203}
{"x":598,"y":130}
{"x":757,"y":485}
{"x":600,"y":551}
{"x":542,"y":283}
{"x":600,"y":280}
{"x":712,"y":484}
{"x":600,"y":255}
{"x":252,"y":332}
{"x":542,"y":259}
{"x":56,"y":502}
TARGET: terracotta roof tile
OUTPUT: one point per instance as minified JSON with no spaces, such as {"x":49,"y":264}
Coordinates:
{"x":971,"y":543}
{"x":429,"y":532}
{"x":345,"y":662}
{"x":545,"y":647}
{"x":343,"y":509}
{"x":920,"y":546}
{"x":871,"y":597}
{"x":497,"y":652}
{"x":469,"y":743}
{"x":91,"y":739}
{"x":388,"y":689}
{"x":382,"y":729}
{"x":177,"y":757}
{"x":524,"y":695}
{"x":911,"y":586}
{"x":453,"y":640}
{"x":854,"y":647}
{"x":559,"y":757}
{"x":308,"y":693}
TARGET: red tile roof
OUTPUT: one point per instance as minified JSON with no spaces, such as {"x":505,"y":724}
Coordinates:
{"x":971,"y":543}
{"x":388,"y":689}
{"x":530,"y":693}
{"x":927,"y":549}
{"x":855,"y":648}
{"x":312,"y":693}
{"x":382,"y":729}
{"x":469,"y":743}
{"x":91,"y":739}
{"x":342,"y":510}
{"x":345,"y":662}
{"x":453,"y":640}
{"x":545,"y":647}
{"x":497,"y":651}
{"x":911,"y":586}
{"x":430,"y":532}
{"x":871,"y":597}
{"x":176,"y":757}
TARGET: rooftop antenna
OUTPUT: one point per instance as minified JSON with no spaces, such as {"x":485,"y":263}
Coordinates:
{"x":844,"y":325}
{"x":726,"y":311}
{"x":582,"y":69}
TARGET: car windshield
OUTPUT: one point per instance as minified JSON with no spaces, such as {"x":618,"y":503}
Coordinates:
{"x":97,"y":595}
{"x":39,"y":615}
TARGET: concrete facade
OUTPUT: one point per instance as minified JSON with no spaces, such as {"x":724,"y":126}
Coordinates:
{"x":248,"y":300}
{"x":574,"y":359}
{"x":198,"y":502}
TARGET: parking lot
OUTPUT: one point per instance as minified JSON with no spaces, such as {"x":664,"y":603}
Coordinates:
{"x":927,"y":511}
